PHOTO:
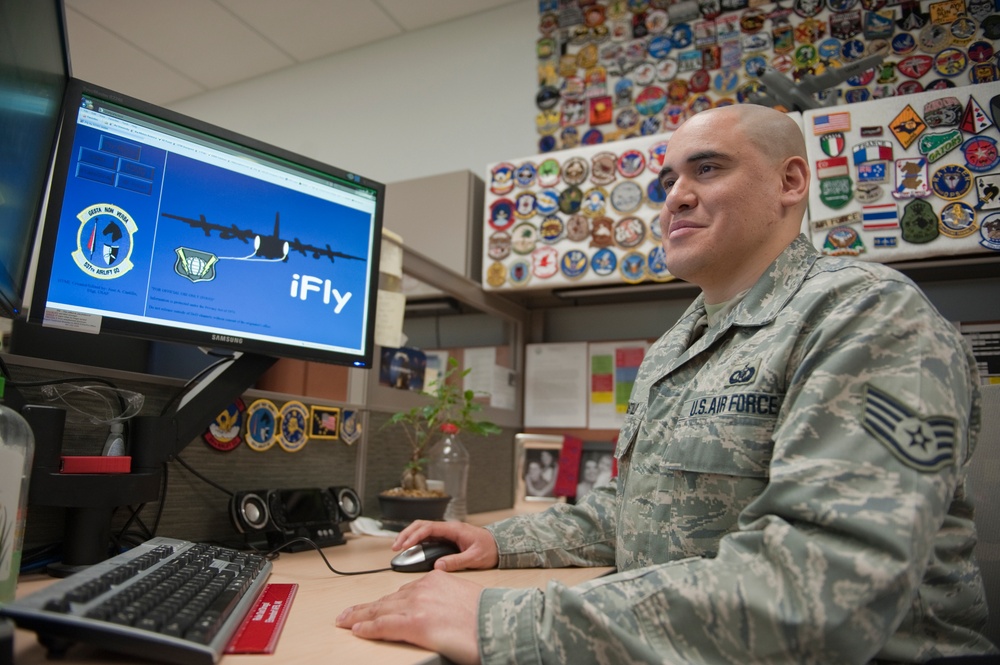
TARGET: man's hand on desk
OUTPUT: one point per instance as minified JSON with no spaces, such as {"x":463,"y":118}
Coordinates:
{"x":438,"y":612}
{"x":479,"y":550}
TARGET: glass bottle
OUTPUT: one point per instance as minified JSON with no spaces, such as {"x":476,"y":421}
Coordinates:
{"x":17,"y":448}
{"x":449,"y":463}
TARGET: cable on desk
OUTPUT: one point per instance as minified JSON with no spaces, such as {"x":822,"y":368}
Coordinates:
{"x":273,"y":554}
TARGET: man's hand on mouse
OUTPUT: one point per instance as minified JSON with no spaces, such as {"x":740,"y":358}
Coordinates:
{"x":438,"y":612}
{"x":479,"y":549}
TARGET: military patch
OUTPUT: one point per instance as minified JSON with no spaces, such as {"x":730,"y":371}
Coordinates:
{"x":551,"y":230}
{"x":294,"y":431}
{"x":836,"y":192}
{"x":950,"y":62}
{"x":867,"y":192}
{"x":907,"y":126}
{"x":633,"y":267}
{"x":577,"y":228}
{"x":570,"y":200}
{"x":911,"y":178}
{"x":843,"y":241}
{"x":502,"y":179}
{"x":324,"y":422}
{"x":942,"y":112}
{"x":657,"y":151}
{"x":502,"y":214}
{"x":885,"y":242}
{"x":602,"y":232}
{"x":499,"y":246}
{"x":525,"y":205}
{"x":656,"y":264}
{"x":919,"y":223}
{"x":958,"y":220}
{"x":880,"y":217}
{"x":839,"y":220}
{"x":746,"y":375}
{"x":981,"y":153}
{"x":262,"y":424}
{"x":549,"y":173}
{"x":988,"y":191}
{"x":626,"y":197}
{"x":224,"y":432}
{"x":496,"y":274}
{"x":630,"y":232}
{"x":195,"y":265}
{"x":519,"y":273}
{"x":350,"y":427}
{"x":989,"y":231}
{"x":523,"y":238}
{"x":595,"y":202}
{"x":526,"y":174}
{"x":544,"y":262}
{"x":575,"y":170}
{"x":604,"y":262}
{"x":573,"y":264}
{"x":924,"y":444}
{"x":936,"y":146}
{"x":655,"y":194}
{"x":546,"y":202}
{"x":951,"y":182}
{"x":602,"y":168}
{"x":832,"y":144}
{"x":974,"y":118}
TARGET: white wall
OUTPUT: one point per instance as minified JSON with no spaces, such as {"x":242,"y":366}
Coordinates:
{"x":454,"y":96}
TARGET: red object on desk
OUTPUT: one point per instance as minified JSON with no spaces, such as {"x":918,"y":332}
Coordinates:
{"x":262,"y":626}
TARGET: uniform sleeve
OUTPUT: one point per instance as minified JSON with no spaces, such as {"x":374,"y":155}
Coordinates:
{"x":825,"y":564}
{"x":564,"y":535}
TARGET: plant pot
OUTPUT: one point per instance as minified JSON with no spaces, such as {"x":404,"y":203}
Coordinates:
{"x":399,"y":511}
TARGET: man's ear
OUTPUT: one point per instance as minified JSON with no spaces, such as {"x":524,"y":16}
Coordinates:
{"x":794,"y":181}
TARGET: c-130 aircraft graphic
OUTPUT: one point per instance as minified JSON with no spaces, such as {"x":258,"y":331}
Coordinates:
{"x":268,"y":247}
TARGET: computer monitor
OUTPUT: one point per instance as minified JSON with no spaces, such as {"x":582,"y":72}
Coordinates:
{"x":164,"y":227}
{"x":33,"y":74}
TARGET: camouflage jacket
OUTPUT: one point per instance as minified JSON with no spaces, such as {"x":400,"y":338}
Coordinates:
{"x":791,"y":490}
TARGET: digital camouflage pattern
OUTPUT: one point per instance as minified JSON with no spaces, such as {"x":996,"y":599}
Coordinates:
{"x":791,"y":490}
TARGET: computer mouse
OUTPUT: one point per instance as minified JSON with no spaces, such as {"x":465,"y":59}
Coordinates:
{"x":421,"y":557}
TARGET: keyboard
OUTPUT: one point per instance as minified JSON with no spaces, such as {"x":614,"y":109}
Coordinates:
{"x":169,"y":600}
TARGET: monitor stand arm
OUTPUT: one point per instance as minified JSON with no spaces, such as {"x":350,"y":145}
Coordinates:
{"x":158,"y":439}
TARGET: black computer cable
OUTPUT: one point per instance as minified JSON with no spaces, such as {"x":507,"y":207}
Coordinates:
{"x":273,"y":554}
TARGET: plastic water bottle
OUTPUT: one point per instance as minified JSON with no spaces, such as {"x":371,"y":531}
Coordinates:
{"x":449,"y":462}
{"x":17,"y":448}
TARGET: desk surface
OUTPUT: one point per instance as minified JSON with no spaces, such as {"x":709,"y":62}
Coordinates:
{"x":309,"y":635}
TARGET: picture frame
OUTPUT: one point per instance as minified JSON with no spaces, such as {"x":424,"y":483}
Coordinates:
{"x":537,"y":468}
{"x":597,"y":467}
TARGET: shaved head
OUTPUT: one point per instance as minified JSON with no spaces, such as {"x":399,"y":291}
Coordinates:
{"x":773,"y":133}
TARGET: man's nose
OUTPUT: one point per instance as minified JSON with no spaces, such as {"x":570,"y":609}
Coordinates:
{"x":679,"y":196}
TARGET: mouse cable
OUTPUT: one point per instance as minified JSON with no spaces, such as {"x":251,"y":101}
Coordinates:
{"x":273,"y":554}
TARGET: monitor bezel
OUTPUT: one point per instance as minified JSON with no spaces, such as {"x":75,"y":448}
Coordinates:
{"x":75,"y":91}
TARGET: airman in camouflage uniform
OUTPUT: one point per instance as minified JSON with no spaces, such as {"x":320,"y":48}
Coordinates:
{"x":791,"y":482}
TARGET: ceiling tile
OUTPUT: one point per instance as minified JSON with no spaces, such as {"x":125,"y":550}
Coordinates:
{"x":309,"y":29}
{"x":98,"y":56}
{"x":413,"y":15}
{"x":200,"y":39}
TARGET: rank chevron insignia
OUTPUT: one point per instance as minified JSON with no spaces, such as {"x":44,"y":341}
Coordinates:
{"x":925,"y":444}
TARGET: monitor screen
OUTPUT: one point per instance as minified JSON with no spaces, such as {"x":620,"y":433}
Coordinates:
{"x":165,"y":227}
{"x":33,"y":73}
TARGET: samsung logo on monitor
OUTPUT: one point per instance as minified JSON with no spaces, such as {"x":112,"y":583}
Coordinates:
{"x":227,"y":339}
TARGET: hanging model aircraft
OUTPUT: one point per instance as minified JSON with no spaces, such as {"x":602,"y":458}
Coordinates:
{"x":780,"y":90}
{"x":271,"y":247}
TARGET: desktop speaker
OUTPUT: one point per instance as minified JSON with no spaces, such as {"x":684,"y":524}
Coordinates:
{"x":275,"y":517}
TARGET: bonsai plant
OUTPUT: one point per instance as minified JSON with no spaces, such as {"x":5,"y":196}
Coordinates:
{"x":451,"y":410}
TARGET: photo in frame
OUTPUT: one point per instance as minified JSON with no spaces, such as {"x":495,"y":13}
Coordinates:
{"x":537,"y":467}
{"x":584,"y":466}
